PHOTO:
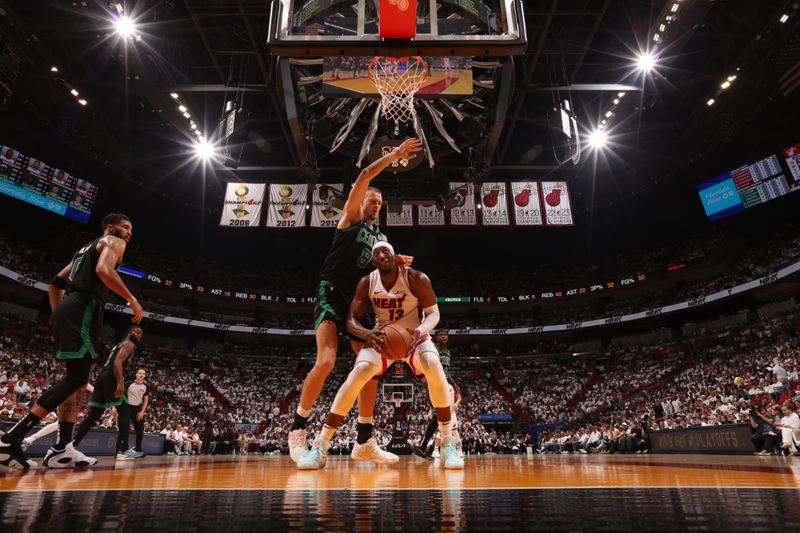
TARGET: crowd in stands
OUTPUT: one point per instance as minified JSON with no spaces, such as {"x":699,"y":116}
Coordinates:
{"x":743,"y":374}
{"x":608,"y":401}
{"x":254,"y":402}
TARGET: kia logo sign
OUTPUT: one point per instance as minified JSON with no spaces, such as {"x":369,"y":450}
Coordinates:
{"x":384,"y":146}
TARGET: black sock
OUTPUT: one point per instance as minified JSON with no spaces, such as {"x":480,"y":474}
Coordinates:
{"x":64,"y":435}
{"x":21,"y":429}
{"x":299,"y":422}
{"x":364,"y":432}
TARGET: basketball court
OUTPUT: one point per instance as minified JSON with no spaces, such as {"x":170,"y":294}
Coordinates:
{"x":493,"y":493}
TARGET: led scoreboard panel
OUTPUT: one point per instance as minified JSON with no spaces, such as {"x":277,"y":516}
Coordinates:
{"x":32,"y":180}
{"x":751,"y":185}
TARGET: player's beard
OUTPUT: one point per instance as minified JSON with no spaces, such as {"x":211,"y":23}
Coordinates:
{"x":116,"y":232}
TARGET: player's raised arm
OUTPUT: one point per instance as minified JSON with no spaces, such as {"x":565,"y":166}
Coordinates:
{"x":110,"y":256}
{"x":358,"y":307}
{"x":352,"y":208}
{"x":420,"y":285}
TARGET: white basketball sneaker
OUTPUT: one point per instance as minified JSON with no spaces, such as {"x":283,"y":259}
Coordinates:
{"x":69,"y":457}
{"x":450,"y":457}
{"x":298,"y":444}
{"x":370,"y":451}
{"x":315,"y":458}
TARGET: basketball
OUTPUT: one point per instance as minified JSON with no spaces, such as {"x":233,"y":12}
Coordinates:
{"x":398,"y":342}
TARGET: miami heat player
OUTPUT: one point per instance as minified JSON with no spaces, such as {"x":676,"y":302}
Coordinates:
{"x":399,"y":296}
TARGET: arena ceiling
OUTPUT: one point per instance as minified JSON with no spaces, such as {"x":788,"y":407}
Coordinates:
{"x":210,"y":51}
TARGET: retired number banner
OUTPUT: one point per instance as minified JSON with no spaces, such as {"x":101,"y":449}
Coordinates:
{"x":495,"y":204}
{"x":464,"y":213}
{"x":287,"y":205}
{"x":405,"y":217}
{"x":323,"y":214}
{"x":557,"y":205}
{"x":430,"y":216}
{"x":242,"y":207}
{"x":527,"y":207}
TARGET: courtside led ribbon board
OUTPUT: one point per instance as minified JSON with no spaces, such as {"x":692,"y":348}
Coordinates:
{"x":398,"y":19}
{"x":287,"y":205}
{"x":719,"y":295}
{"x":494,"y":199}
{"x":323,"y":212}
{"x":242,"y":208}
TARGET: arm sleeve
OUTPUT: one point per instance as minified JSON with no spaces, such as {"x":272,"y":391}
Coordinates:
{"x":431,"y":319}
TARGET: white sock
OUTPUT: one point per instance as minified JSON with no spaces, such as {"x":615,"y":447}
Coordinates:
{"x":305,"y":413}
{"x":49,"y":428}
{"x":445,"y":428}
{"x":326,"y":435}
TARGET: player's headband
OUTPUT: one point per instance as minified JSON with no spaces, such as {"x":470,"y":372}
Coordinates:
{"x":384,"y":244}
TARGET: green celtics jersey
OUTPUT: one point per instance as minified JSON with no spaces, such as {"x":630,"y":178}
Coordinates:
{"x":112,"y":357}
{"x":83,"y":277}
{"x":350,"y":256}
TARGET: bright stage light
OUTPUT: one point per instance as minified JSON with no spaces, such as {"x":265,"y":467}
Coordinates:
{"x":124,"y":26}
{"x":646,"y":62}
{"x":203,"y":149}
{"x":598,"y":139}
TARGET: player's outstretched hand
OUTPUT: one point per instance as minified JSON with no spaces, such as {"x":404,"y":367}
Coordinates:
{"x":137,"y":311}
{"x":408,"y":148}
{"x":377,"y":338}
{"x":404,"y":260}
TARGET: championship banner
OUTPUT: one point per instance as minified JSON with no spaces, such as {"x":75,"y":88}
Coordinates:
{"x":557,"y":205}
{"x":527,"y":207}
{"x":430,"y":216}
{"x":464,"y":213}
{"x":287,"y":205}
{"x":494,"y":198}
{"x":404,"y":217}
{"x":323,"y":212}
{"x":242,"y":206}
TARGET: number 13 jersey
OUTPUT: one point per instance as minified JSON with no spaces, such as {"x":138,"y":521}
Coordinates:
{"x":397,"y":306}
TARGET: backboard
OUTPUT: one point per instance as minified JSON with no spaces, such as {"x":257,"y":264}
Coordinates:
{"x":390,"y":391}
{"x":313,"y":28}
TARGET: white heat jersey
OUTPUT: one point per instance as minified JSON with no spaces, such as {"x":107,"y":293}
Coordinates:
{"x":398,"y":305}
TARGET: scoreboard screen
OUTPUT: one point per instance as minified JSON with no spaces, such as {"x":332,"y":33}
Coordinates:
{"x":34,"y":181}
{"x":751,"y":185}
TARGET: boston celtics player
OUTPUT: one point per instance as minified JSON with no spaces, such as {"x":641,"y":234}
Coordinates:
{"x":348,"y":260}
{"x":75,"y":324}
{"x":109,"y":388}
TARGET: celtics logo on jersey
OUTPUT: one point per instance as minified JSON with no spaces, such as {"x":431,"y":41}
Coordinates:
{"x":367,"y":237}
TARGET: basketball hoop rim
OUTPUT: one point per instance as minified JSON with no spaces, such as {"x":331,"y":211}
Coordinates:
{"x":394,"y":59}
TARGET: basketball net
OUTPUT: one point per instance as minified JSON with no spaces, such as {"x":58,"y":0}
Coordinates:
{"x":398,"y":401}
{"x":397,"y":80}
